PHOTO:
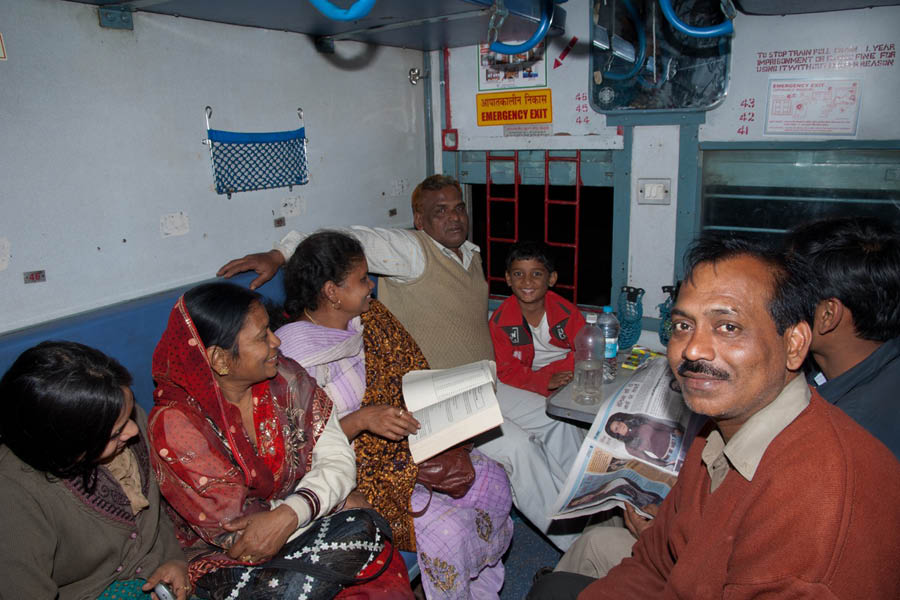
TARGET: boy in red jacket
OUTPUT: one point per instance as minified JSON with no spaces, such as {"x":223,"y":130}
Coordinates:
{"x":534,"y":330}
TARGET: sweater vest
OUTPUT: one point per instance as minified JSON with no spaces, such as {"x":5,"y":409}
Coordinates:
{"x":445,"y":309}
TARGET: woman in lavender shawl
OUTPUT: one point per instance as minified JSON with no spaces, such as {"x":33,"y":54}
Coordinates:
{"x":358,"y":352}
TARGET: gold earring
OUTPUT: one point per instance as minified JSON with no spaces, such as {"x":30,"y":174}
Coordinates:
{"x":336,"y":305}
{"x":223,"y":371}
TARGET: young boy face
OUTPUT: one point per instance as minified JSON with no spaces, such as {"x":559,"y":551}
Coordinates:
{"x":529,"y":280}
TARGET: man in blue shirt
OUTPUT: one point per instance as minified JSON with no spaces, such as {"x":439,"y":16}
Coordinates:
{"x":851,"y":271}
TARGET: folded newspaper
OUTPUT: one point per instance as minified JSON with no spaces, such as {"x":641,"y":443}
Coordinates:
{"x":635,"y":447}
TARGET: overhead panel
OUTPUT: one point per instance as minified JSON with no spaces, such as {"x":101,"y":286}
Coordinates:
{"x":795,"y":7}
{"x":641,"y":62}
{"x":419,"y":25}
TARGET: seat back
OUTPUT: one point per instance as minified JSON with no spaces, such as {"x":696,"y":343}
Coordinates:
{"x":127,"y":331}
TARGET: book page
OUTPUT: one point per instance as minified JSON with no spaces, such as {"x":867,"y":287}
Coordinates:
{"x":453,"y":420}
{"x":423,"y":388}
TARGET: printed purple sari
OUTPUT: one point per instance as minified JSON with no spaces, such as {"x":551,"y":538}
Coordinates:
{"x":459,"y":542}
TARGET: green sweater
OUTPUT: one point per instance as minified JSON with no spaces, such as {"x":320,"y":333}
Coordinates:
{"x":59,"y":542}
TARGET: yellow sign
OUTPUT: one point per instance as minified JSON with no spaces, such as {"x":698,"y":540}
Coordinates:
{"x":513,"y":108}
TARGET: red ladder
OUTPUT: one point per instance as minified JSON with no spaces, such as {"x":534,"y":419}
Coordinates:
{"x":576,"y":204}
{"x":489,"y":200}
{"x":514,"y":200}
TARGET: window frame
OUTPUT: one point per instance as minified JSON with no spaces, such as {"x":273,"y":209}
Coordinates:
{"x":690,"y":169}
{"x":469,"y":167}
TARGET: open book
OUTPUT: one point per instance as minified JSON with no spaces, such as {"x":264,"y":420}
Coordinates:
{"x":452,"y":405}
{"x":635,"y":447}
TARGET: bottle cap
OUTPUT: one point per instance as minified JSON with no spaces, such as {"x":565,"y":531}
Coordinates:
{"x":591,"y":317}
{"x":607,"y":309}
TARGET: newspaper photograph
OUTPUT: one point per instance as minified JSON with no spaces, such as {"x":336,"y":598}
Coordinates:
{"x":635,"y":447}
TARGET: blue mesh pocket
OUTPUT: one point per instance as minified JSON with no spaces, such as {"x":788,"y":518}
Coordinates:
{"x":665,"y":314}
{"x":630,"y":312}
{"x":254,"y":161}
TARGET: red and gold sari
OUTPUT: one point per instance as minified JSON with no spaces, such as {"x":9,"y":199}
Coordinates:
{"x":210,"y":473}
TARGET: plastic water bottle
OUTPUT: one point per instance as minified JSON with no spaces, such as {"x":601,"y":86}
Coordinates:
{"x":609,"y":324}
{"x":589,"y":349}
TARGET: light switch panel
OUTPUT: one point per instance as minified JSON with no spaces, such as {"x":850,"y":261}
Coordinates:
{"x":654,"y":191}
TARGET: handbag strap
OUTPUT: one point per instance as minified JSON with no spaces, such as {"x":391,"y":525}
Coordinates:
{"x":419,"y":513}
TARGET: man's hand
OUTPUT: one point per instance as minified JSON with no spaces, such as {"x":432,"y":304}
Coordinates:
{"x":356,"y":499}
{"x":262,"y":535}
{"x":560,"y":379}
{"x":636,"y":523}
{"x":266,"y":264}
{"x":174,"y":574}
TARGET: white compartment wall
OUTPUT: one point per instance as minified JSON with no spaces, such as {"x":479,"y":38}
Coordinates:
{"x":757,"y":35}
{"x":655,"y":150}
{"x":102,"y":131}
{"x":568,"y":80}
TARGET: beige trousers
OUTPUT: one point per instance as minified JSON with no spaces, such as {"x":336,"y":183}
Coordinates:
{"x":600,"y":548}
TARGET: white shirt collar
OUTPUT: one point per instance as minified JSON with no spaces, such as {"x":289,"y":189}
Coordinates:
{"x":468,"y":249}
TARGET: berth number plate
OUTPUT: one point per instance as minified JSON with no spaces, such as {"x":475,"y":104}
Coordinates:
{"x":35,"y":276}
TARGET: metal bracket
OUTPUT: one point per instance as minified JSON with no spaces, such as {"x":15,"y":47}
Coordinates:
{"x":116,"y":17}
{"x":206,"y":142}
{"x":325,"y":44}
{"x":415,"y":75}
{"x":498,"y":17}
{"x":728,"y":9}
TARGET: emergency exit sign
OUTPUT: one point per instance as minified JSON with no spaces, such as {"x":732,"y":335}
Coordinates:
{"x":513,"y":108}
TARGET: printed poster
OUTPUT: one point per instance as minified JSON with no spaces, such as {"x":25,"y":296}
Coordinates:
{"x":511,"y":71}
{"x":813,"y":107}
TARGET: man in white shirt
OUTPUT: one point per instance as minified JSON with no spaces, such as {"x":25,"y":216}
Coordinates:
{"x":433,"y":282}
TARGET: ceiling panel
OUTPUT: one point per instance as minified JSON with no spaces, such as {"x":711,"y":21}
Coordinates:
{"x":422,"y":25}
{"x":792,"y":7}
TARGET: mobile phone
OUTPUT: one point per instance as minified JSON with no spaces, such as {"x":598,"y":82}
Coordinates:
{"x":163,"y":592}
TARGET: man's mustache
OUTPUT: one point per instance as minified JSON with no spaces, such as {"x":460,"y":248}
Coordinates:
{"x":701,"y":367}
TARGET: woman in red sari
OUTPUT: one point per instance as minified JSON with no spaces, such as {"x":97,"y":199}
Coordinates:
{"x":249,"y":454}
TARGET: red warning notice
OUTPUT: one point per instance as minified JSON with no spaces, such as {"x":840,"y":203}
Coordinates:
{"x":862,"y":56}
{"x":813,"y":106}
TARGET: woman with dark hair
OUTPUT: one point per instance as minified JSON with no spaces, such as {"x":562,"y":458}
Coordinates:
{"x":358,"y":352}
{"x":250,"y":456}
{"x":80,"y":510}
{"x":656,"y":441}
